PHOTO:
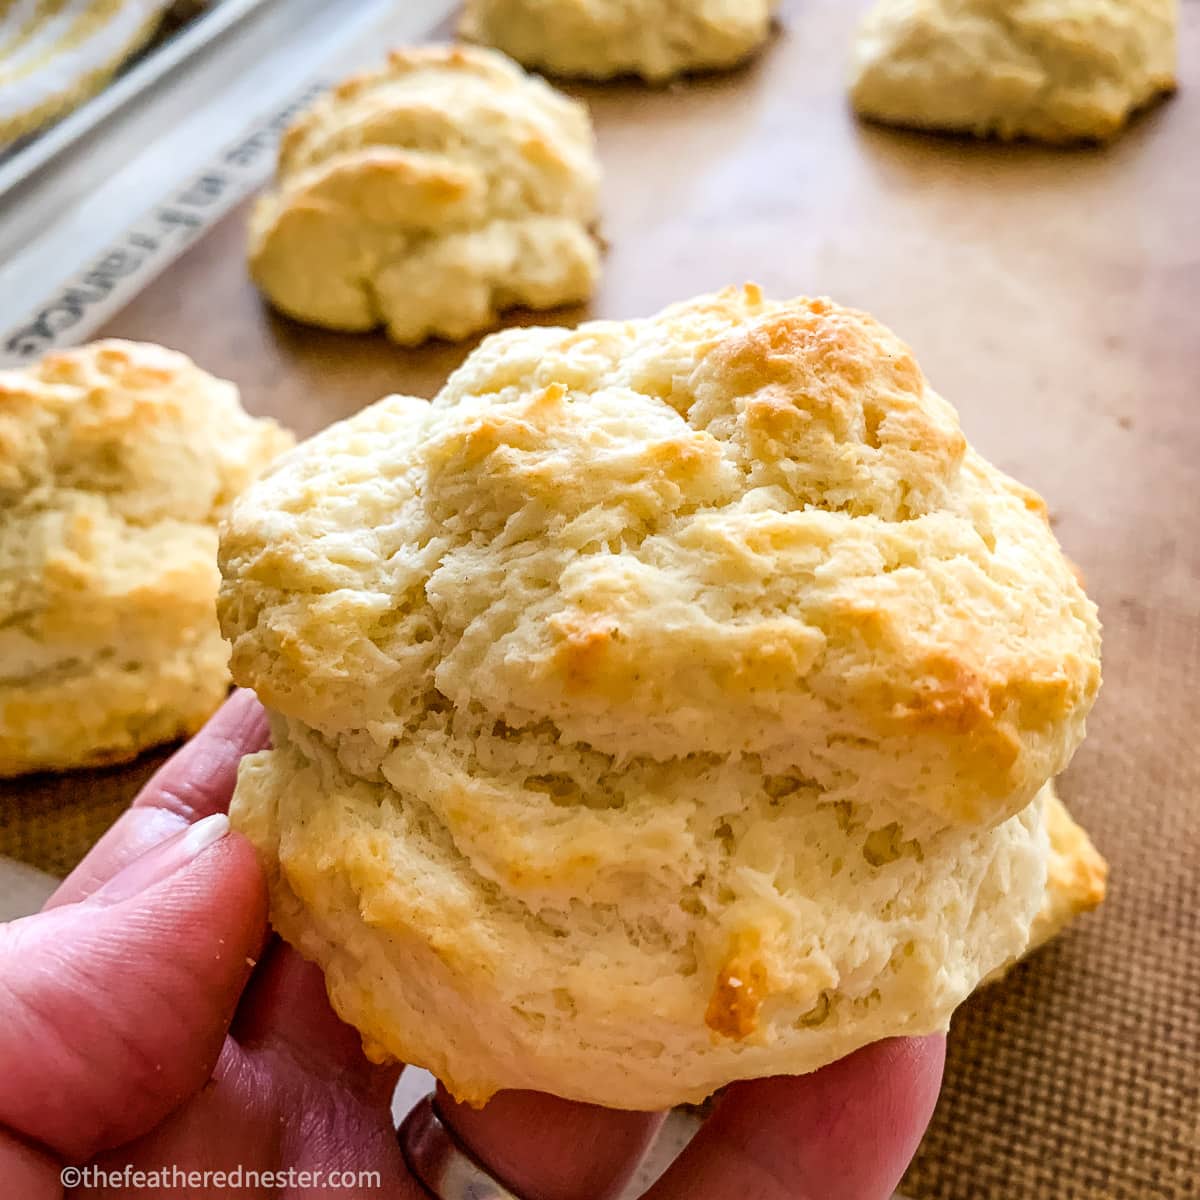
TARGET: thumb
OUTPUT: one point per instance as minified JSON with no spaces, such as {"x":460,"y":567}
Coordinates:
{"x":113,"y":1010}
{"x":845,"y":1132}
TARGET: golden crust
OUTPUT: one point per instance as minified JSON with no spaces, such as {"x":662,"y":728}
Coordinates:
{"x":740,"y":988}
{"x":117,"y":461}
{"x":594,"y":39}
{"x":1055,"y":70}
{"x":655,"y":655}
{"x":428,"y":196}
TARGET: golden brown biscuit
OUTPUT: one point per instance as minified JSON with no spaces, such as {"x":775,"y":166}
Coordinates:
{"x":428,"y":197}
{"x":596,"y":39}
{"x":117,"y":460}
{"x":667,"y":704}
{"x":1055,"y":70}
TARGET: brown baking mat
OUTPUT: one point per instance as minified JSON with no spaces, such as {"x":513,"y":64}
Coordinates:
{"x":49,"y":821}
{"x":1079,"y":1076}
{"x":1054,"y":297}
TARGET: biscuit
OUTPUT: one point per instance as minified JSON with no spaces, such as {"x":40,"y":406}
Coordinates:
{"x":117,"y":460}
{"x":1076,"y":879}
{"x":596,"y":39}
{"x":666,"y":704}
{"x":428,"y":197}
{"x":1077,"y":875}
{"x":1055,"y":70}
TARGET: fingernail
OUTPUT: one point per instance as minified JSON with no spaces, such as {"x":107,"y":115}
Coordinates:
{"x":162,"y":860}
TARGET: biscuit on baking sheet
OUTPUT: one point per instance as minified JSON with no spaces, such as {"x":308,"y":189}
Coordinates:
{"x":1077,"y":875}
{"x":1053,"y":70}
{"x":428,"y":197}
{"x":670,"y":702}
{"x":1076,"y":879}
{"x":117,"y":460}
{"x":597,"y":39}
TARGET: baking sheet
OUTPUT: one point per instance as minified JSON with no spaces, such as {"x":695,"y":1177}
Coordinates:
{"x":1052,"y":296}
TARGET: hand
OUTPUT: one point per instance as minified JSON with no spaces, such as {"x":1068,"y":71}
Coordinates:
{"x":147,"y":1018}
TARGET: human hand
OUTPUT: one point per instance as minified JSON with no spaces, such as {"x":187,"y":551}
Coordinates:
{"x":148,"y":1020}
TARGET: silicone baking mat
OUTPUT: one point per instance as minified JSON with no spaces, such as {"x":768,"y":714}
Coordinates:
{"x":1054,"y":297}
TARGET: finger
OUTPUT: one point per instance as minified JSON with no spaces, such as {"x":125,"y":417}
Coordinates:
{"x":544,"y":1148}
{"x":292,"y":1090}
{"x":193,"y":783}
{"x":116,"y":1007}
{"x":28,"y":1172}
{"x":286,"y":1010}
{"x":262,"y":1111}
{"x":846,"y":1132}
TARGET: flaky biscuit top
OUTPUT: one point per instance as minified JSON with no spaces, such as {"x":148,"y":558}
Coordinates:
{"x":441,"y":138}
{"x":140,"y":426}
{"x":1058,"y":71}
{"x":597,"y":39}
{"x":737,"y":528}
{"x":118,"y":460}
{"x":451,"y":100}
